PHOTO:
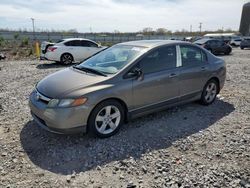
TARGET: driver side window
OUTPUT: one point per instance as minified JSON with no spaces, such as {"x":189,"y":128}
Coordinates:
{"x":160,"y":59}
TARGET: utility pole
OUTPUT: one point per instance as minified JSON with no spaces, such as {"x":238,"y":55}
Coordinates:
{"x":200,"y":27}
{"x":191,"y":28}
{"x":33,"y":25}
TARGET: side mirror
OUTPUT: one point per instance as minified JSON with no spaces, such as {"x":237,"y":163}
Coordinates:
{"x":135,"y":73}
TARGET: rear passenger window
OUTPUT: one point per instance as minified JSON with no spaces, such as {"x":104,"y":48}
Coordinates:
{"x":159,"y":59}
{"x":86,"y":43}
{"x":191,"y":56}
{"x":73,"y":43}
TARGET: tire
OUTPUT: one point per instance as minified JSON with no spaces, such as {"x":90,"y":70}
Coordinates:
{"x":66,"y":59}
{"x":242,"y":48}
{"x":228,"y":51}
{"x":209,"y":93}
{"x":101,"y":123}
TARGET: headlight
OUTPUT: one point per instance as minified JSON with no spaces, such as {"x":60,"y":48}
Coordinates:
{"x":66,"y":102}
{"x":53,"y":103}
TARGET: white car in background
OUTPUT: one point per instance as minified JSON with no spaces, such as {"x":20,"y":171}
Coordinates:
{"x":235,"y":42}
{"x":72,"y":50}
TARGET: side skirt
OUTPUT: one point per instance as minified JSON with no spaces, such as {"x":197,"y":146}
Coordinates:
{"x":163,"y":105}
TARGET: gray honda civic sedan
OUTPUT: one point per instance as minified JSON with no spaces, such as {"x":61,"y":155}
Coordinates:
{"x":125,"y":81}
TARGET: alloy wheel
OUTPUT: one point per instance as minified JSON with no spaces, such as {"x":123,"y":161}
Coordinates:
{"x":210,"y":92}
{"x":107,"y":119}
{"x":67,"y":59}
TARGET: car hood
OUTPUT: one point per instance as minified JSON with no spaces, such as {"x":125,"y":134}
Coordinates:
{"x":61,"y":83}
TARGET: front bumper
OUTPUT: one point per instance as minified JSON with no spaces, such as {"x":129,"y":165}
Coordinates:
{"x":59,"y":120}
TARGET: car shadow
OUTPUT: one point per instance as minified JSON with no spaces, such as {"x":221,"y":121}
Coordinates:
{"x":221,"y":55}
{"x":53,"y":65}
{"x":64,"y":154}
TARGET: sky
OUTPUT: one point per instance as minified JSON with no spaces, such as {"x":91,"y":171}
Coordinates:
{"x":120,"y":15}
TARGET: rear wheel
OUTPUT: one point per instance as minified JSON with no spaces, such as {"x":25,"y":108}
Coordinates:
{"x":66,"y":59}
{"x":106,"y":119}
{"x":209,"y":92}
{"x":228,"y":51}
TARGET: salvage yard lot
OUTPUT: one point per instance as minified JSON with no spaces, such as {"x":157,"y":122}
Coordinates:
{"x":191,"y":145}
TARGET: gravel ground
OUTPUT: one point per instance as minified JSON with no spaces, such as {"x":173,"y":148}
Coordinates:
{"x":186,"y":146}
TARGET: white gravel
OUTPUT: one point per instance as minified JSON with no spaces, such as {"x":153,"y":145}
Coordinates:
{"x":186,"y":146}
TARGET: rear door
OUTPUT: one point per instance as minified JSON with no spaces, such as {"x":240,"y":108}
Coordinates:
{"x":222,"y":46}
{"x":72,"y":47}
{"x":194,"y":70}
{"x":214,"y":46}
{"x":160,"y":82}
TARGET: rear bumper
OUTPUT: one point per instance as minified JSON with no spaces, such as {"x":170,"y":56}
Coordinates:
{"x":52,"y":56}
{"x":42,"y":57}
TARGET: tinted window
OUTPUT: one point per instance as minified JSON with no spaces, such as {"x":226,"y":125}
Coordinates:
{"x":192,"y":56}
{"x":73,"y":43}
{"x":160,"y":59}
{"x":220,"y":43}
{"x":212,"y":42}
{"x":86,"y":43}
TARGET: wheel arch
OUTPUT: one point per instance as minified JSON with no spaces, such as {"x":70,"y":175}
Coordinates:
{"x":67,"y":53}
{"x":125,"y":107}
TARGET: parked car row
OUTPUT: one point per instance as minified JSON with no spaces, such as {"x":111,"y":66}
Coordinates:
{"x":122,"y":82}
{"x":67,"y":51}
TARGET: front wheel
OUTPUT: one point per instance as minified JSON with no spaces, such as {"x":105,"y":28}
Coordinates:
{"x":106,"y":119}
{"x":209,"y":92}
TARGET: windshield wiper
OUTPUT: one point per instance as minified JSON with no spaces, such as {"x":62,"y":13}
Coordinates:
{"x":87,"y":69}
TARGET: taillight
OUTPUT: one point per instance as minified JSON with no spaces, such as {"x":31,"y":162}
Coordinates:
{"x":52,"y":49}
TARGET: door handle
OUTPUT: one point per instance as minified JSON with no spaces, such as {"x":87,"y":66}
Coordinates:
{"x":172,"y":75}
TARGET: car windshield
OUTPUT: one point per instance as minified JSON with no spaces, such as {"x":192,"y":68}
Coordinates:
{"x":201,"y":41}
{"x":60,"y":41}
{"x":113,"y":59}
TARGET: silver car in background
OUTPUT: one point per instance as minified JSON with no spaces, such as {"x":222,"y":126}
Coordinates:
{"x":123,"y":82}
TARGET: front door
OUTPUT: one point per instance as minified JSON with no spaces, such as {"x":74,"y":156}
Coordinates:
{"x":160,"y":78}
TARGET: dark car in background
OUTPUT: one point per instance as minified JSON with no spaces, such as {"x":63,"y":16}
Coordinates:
{"x":214,"y":46}
{"x":245,"y":43}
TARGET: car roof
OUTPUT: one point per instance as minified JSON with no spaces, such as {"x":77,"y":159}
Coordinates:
{"x":69,"y":39}
{"x":204,"y":40}
{"x":151,"y":43}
